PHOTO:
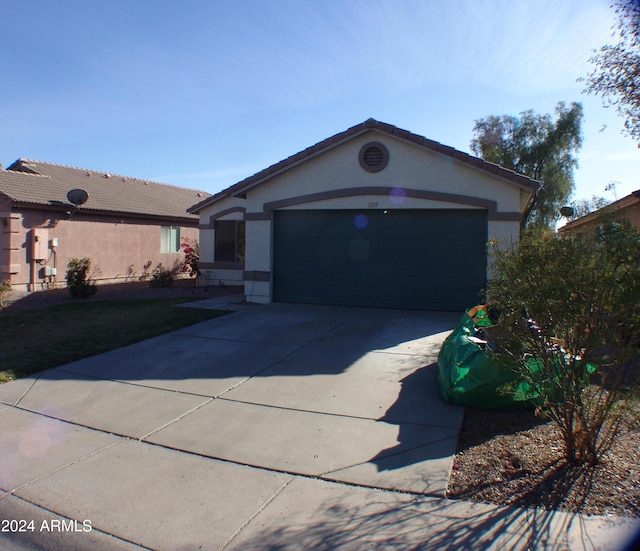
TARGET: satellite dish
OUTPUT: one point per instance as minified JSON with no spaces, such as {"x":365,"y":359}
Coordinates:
{"x":78,"y":197}
{"x":566,"y":211}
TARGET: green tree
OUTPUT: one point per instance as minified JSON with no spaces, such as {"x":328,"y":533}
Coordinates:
{"x":539,"y":147}
{"x":617,"y":68}
{"x":570,"y":327}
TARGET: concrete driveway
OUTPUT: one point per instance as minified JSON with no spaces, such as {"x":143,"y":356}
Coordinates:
{"x":275,"y":427}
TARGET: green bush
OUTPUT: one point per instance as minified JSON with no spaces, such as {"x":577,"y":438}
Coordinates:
{"x":161,"y":277}
{"x":570,"y":307}
{"x":78,"y":278}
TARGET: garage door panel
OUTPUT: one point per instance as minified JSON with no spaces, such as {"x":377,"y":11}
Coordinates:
{"x":409,"y":259}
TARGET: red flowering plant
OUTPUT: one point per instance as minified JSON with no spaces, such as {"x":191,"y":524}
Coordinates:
{"x":191,"y":257}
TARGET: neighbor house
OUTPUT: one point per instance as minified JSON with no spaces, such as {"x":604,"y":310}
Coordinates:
{"x":126,"y":226}
{"x":627,"y":208}
{"x":373,"y":216}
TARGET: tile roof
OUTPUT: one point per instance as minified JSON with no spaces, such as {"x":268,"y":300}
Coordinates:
{"x":624,"y":203}
{"x":369,"y":125}
{"x":29,"y":183}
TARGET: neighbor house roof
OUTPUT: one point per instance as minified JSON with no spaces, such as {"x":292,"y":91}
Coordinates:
{"x":239,"y":189}
{"x":620,"y":206}
{"x":34,"y":184}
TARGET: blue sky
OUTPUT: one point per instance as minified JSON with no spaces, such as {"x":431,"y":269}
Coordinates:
{"x":203,"y":93}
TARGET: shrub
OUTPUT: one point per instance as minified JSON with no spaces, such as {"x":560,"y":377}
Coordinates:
{"x":161,"y":277}
{"x":145,"y":271}
{"x":570,"y":324}
{"x":191,"y":257}
{"x":5,"y":287}
{"x":78,"y":278}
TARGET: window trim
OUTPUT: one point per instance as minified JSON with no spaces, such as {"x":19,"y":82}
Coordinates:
{"x":239,"y":242}
{"x":167,"y":239}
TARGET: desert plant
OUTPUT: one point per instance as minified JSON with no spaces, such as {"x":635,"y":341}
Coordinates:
{"x":145,"y":271}
{"x":78,"y":282}
{"x":191,"y":257}
{"x":161,"y":277}
{"x":5,"y":287}
{"x":570,"y":326}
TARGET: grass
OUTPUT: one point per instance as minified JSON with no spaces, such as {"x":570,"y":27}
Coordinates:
{"x":33,"y":340}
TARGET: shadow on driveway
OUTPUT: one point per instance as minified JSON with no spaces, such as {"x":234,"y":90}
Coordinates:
{"x":333,"y":392}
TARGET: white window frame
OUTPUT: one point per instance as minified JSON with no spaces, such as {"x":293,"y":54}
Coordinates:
{"x":169,"y":239}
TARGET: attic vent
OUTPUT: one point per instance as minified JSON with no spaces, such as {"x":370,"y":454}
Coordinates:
{"x":373,"y":157}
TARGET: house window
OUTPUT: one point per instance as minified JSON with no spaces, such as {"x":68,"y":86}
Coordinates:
{"x":229,"y":246}
{"x":169,"y":239}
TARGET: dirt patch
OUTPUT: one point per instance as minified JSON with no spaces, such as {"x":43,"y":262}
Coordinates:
{"x":515,"y":458}
{"x":119,"y":291}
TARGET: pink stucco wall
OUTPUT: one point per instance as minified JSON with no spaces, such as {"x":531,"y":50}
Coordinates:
{"x":120,"y":249}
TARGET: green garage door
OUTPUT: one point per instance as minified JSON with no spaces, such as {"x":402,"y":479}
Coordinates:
{"x":428,"y":259}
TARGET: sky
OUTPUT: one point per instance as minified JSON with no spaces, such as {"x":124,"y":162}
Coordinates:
{"x":204,"y":93}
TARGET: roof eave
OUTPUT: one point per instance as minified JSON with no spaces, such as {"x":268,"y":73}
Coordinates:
{"x":110,"y":213}
{"x":240,"y":188}
{"x":623,"y":203}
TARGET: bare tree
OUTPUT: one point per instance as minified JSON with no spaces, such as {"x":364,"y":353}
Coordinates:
{"x":617,"y":68}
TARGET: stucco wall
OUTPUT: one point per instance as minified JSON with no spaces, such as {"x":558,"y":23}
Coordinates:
{"x":230,"y":208}
{"x":414,"y":178}
{"x":631,"y":214}
{"x":119,"y":248}
{"x":410,"y":167}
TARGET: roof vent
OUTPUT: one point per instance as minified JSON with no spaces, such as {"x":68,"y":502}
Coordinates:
{"x":373,"y":157}
{"x":21,"y":165}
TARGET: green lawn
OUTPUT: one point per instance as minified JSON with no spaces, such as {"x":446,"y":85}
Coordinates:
{"x":33,"y":340}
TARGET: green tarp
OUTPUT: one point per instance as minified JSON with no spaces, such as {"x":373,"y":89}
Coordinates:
{"x":469,"y":376}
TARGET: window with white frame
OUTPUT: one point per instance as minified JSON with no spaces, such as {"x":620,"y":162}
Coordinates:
{"x":169,"y":239}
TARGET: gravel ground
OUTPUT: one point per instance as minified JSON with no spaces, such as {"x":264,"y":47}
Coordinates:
{"x":515,"y":458}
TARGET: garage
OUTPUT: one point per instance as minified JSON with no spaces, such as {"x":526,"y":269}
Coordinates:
{"x":372,"y":216}
{"x":429,"y":258}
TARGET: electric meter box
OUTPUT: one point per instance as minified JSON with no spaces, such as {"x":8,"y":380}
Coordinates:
{"x":49,"y":271}
{"x":40,"y":244}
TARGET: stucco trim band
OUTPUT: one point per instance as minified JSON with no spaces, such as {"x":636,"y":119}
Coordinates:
{"x":219,"y":215}
{"x":256,"y":275}
{"x":491,"y":206}
{"x":221,"y":265}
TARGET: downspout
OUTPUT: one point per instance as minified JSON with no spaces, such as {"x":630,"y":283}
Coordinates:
{"x":32,"y":261}
{"x":55,"y":267}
